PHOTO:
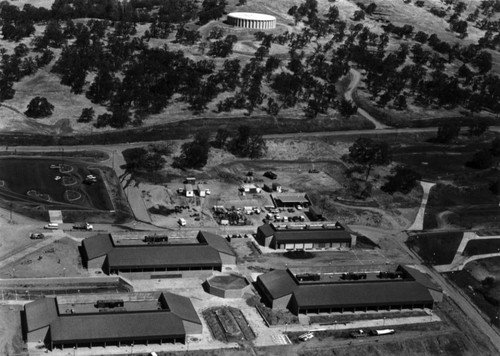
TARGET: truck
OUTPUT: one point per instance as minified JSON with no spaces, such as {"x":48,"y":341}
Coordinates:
{"x":382,"y":332}
{"x":83,"y":226}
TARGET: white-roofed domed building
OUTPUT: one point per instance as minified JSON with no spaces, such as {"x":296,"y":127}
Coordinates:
{"x":251,"y":20}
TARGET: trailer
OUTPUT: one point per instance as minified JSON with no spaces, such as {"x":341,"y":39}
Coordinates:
{"x":382,"y":332}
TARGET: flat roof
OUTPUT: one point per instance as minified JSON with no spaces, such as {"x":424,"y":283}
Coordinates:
{"x":297,"y":198}
{"x":163,"y":256}
{"x":251,"y":16}
{"x":115,"y":327}
{"x":359,"y":294}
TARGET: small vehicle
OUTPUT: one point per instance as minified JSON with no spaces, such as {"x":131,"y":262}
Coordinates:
{"x":36,"y":236}
{"x":83,"y":226}
{"x":299,"y":207}
{"x":182,"y":222}
{"x":358,"y":333}
{"x":51,"y":226}
{"x":57,"y":178}
{"x":313,"y":170}
{"x":152,"y":353}
{"x":306,"y":336}
{"x":91,"y":176}
{"x":270,"y":175}
{"x":207,"y":192}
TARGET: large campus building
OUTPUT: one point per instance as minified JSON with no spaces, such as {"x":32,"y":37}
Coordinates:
{"x":305,"y":236}
{"x":167,"y":319}
{"x":406,"y":288}
{"x":109,"y":253}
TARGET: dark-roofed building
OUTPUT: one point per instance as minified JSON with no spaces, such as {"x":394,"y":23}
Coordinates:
{"x":175,"y":319}
{"x":422,"y":278}
{"x":280,"y":289}
{"x":227,"y":255}
{"x":102,"y":251}
{"x":306,"y":236}
{"x":37,"y":316}
{"x":95,"y":249}
{"x":284,"y":200}
{"x":163,"y":258}
{"x":183,"y":308}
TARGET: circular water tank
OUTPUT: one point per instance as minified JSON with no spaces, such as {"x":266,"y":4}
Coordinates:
{"x":251,"y":20}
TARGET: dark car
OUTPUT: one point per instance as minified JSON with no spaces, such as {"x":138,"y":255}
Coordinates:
{"x":270,"y":175}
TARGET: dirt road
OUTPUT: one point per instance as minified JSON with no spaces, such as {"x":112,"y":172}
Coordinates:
{"x":355,"y":78}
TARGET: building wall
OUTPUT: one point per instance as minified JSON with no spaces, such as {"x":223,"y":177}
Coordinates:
{"x":282,"y":303}
{"x":96,"y":263}
{"x":309,"y":246}
{"x":192,"y":328}
{"x":436,"y":295}
{"x":227,"y":259}
{"x":36,"y":335}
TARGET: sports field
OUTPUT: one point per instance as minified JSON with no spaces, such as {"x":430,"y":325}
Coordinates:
{"x":34,"y":182}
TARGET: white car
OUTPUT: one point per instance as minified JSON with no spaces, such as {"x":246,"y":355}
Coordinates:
{"x":306,"y":336}
{"x":51,"y":226}
{"x":57,"y":178}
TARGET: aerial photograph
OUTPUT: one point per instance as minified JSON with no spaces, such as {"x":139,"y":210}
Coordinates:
{"x":250,"y":177}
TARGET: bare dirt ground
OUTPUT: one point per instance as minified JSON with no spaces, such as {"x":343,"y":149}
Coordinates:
{"x":11,"y":342}
{"x":59,"y":259}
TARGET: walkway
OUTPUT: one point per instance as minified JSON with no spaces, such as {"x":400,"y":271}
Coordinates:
{"x":460,"y":260}
{"x":418,"y":224}
{"x":355,"y":78}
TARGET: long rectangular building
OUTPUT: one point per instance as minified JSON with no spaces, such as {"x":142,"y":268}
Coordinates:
{"x":171,"y":322}
{"x":210,"y":253}
{"x":281,"y":289}
{"x":305,"y":236}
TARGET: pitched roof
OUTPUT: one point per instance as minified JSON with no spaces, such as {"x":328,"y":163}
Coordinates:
{"x":109,"y":327}
{"x":97,"y":246}
{"x":266,"y":230}
{"x":291,"y":198}
{"x":278,"y":283}
{"x":182,"y":307}
{"x":311,"y":235}
{"x":421,"y":278}
{"x":216,"y":241}
{"x":163,"y":256}
{"x":40,"y":313}
{"x":362,"y":294}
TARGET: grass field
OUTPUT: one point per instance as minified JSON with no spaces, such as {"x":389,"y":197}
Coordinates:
{"x":436,"y":248}
{"x":23,"y":175}
{"x":483,"y":246}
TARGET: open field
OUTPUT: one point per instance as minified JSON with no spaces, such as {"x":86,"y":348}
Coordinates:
{"x":436,"y":248}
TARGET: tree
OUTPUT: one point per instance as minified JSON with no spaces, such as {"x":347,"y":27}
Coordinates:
{"x":478,"y":128}
{"x":404,"y":180}
{"x":481,"y":160}
{"x":87,"y":115}
{"x":482,"y":61}
{"x":6,"y":89}
{"x":369,"y":153}
{"x":347,"y":108}
{"x":358,"y":15}
{"x":495,"y":147}
{"x":247,"y":144}
{"x":447,"y":132}
{"x":193,"y":154}
{"x":221,"y":138}
{"x":400,"y":102}
{"x":39,"y":107}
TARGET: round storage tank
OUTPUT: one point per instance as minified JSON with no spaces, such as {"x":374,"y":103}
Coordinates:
{"x":251,"y":20}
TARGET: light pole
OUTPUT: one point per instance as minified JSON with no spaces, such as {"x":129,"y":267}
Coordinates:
{"x":64,"y":271}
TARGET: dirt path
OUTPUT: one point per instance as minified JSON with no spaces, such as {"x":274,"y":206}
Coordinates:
{"x":355,"y":78}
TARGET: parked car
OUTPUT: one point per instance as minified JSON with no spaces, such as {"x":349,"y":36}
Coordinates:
{"x":36,"y":236}
{"x":51,"y":226}
{"x":182,"y":222}
{"x":306,"y":336}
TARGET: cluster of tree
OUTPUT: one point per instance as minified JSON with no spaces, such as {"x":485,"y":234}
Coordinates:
{"x":485,"y":157}
{"x":403,"y":180}
{"x":194,"y":154}
{"x":39,"y":107}
{"x":150,"y":158}
{"x":211,"y":10}
{"x":245,"y":142}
